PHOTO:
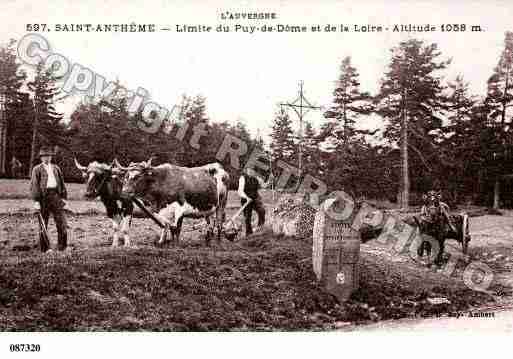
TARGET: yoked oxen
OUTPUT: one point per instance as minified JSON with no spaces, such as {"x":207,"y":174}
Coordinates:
{"x":188,"y":192}
{"x":106,"y":181}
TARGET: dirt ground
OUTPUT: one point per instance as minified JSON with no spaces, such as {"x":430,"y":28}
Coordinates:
{"x":263,"y":282}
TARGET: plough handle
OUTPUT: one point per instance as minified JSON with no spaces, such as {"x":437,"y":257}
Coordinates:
{"x":239,"y":211}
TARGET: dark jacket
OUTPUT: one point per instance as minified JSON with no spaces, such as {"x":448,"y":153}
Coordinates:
{"x":251,"y":186}
{"x":39,"y":179}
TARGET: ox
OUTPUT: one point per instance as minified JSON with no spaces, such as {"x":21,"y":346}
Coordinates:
{"x":103,"y":181}
{"x":186,"y":192}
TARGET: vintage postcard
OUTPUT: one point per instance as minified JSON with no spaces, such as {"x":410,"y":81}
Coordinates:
{"x":335,"y":169}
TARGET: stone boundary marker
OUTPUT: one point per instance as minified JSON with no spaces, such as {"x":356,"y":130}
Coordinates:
{"x":336,"y":250}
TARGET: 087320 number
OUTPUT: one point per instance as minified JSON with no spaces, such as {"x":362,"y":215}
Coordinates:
{"x":24,"y":348}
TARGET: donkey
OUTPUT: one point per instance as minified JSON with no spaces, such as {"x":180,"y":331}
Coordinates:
{"x":435,"y":221}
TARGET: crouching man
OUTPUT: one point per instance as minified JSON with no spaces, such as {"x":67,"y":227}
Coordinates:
{"x":249,"y":185}
{"x":49,"y":193}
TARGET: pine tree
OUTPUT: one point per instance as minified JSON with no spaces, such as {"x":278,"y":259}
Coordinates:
{"x":11,"y":100}
{"x":485,"y":165}
{"x":460,"y":137}
{"x":349,"y":104}
{"x":258,"y":141}
{"x":12,"y":77}
{"x":499,"y":100}
{"x":282,"y":138}
{"x":500,"y":87}
{"x":48,"y":129}
{"x":311,"y":155}
{"x":410,"y":98}
{"x":340,"y":135}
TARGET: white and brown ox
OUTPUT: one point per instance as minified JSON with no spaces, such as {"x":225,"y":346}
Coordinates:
{"x":187,"y":192}
{"x":104,"y":181}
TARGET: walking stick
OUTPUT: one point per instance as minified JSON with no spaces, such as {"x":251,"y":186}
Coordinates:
{"x":44,"y":240}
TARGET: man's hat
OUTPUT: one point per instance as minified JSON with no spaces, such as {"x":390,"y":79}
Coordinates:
{"x":46,"y":151}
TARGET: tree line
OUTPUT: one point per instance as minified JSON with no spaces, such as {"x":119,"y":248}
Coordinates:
{"x":435,"y":133}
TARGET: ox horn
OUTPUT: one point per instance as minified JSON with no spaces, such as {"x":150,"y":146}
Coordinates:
{"x":116,"y":163}
{"x":79,"y":166}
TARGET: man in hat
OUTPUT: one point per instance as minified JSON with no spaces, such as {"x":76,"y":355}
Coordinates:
{"x":49,"y":193}
{"x":433,"y":202}
{"x":249,"y":185}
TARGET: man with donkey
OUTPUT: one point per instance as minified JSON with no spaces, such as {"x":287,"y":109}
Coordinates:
{"x":435,"y":221}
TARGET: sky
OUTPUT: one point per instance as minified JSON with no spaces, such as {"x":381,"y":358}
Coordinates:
{"x":245,"y":76}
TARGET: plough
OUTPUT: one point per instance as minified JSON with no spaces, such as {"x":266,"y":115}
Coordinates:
{"x":230,"y":229}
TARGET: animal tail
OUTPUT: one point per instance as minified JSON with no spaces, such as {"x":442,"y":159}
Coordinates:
{"x":222,"y":178}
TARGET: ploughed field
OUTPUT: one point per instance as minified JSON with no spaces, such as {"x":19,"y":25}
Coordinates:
{"x":261,"y":282}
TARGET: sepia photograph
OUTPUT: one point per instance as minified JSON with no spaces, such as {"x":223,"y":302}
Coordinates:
{"x":332,"y":169}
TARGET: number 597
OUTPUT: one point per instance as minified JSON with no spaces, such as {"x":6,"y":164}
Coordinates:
{"x":36,"y":27}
